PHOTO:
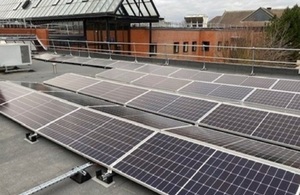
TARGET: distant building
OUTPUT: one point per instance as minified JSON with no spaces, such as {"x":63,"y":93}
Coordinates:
{"x":245,"y":18}
{"x":196,"y":21}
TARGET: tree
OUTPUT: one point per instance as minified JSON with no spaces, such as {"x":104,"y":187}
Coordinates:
{"x":284,"y":32}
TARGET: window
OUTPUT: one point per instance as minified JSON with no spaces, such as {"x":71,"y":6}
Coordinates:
{"x":176,"y":47}
{"x":219,"y":45}
{"x":205,"y":45}
{"x":56,"y":2}
{"x":185,"y":47}
{"x":194,"y":46}
{"x":153,"y":49}
{"x":36,"y":4}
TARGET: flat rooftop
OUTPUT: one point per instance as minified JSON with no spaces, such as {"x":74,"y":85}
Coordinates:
{"x":25,"y":165}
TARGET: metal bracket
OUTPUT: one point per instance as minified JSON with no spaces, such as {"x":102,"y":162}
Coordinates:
{"x":32,"y":137}
{"x":105,"y":177}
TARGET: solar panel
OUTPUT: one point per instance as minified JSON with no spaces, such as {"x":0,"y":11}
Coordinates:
{"x":231,"y":92}
{"x":148,"y":68}
{"x":173,"y":166}
{"x":120,"y":75}
{"x":40,"y":87}
{"x":185,"y":73}
{"x":266,"y":151}
{"x":287,"y":85}
{"x":236,"y":119}
{"x":9,"y":91}
{"x":21,"y":105}
{"x":123,"y":94}
{"x":165,"y":163}
{"x":280,"y":128}
{"x":61,"y":58}
{"x":71,"y":82}
{"x":199,"y":88}
{"x":129,"y":77}
{"x":255,"y":148}
{"x":111,"y":73}
{"x":80,"y":99}
{"x":232,"y":79}
{"x":188,"y":109}
{"x":77,"y":60}
{"x":149,"y":80}
{"x":153,"y":101}
{"x":271,"y":98}
{"x":35,"y":110}
{"x":228,"y":174}
{"x":207,"y":135}
{"x":148,"y":119}
{"x":206,"y":76}
{"x":98,"y":62}
{"x":165,"y":71}
{"x":294,"y":104}
{"x":126,"y":65}
{"x":171,"y":84}
{"x":258,"y":82}
{"x":99,"y":89}
{"x":95,"y":136}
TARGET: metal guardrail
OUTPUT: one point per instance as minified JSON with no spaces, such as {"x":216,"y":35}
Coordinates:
{"x":252,"y":56}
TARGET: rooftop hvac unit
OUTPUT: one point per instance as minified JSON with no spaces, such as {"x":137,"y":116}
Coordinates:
{"x":15,"y":55}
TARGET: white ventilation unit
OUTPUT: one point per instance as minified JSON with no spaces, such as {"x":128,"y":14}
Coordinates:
{"x":15,"y":55}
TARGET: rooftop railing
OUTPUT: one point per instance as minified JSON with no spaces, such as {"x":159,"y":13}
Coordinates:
{"x":252,"y":56}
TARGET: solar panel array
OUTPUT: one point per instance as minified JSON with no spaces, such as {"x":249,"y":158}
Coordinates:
{"x":162,"y":162}
{"x":280,"y":128}
{"x":238,"y":120}
{"x":35,"y":110}
{"x":256,"y":148}
{"x":96,"y":136}
{"x":165,"y":104}
{"x":9,"y":92}
{"x":175,"y":166}
{"x":230,"y":87}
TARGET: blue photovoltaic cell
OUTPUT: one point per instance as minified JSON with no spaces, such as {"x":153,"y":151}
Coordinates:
{"x":206,"y":76}
{"x":148,"y":68}
{"x":96,"y":136}
{"x":236,"y":119}
{"x":35,"y":110}
{"x":287,"y":85}
{"x":153,"y":101}
{"x":171,"y":84}
{"x":280,"y":128}
{"x":258,"y":82}
{"x":228,"y":174}
{"x":9,"y":91}
{"x":165,"y":163}
{"x":231,"y":92}
{"x":149,"y":80}
{"x":188,"y":109}
{"x":271,"y":98}
{"x":294,"y":104}
{"x":232,"y":79}
{"x":199,"y":88}
{"x":71,"y":82}
{"x":99,"y":89}
{"x":184,"y":73}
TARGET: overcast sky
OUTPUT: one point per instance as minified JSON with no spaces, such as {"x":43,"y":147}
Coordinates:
{"x":175,"y":10}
